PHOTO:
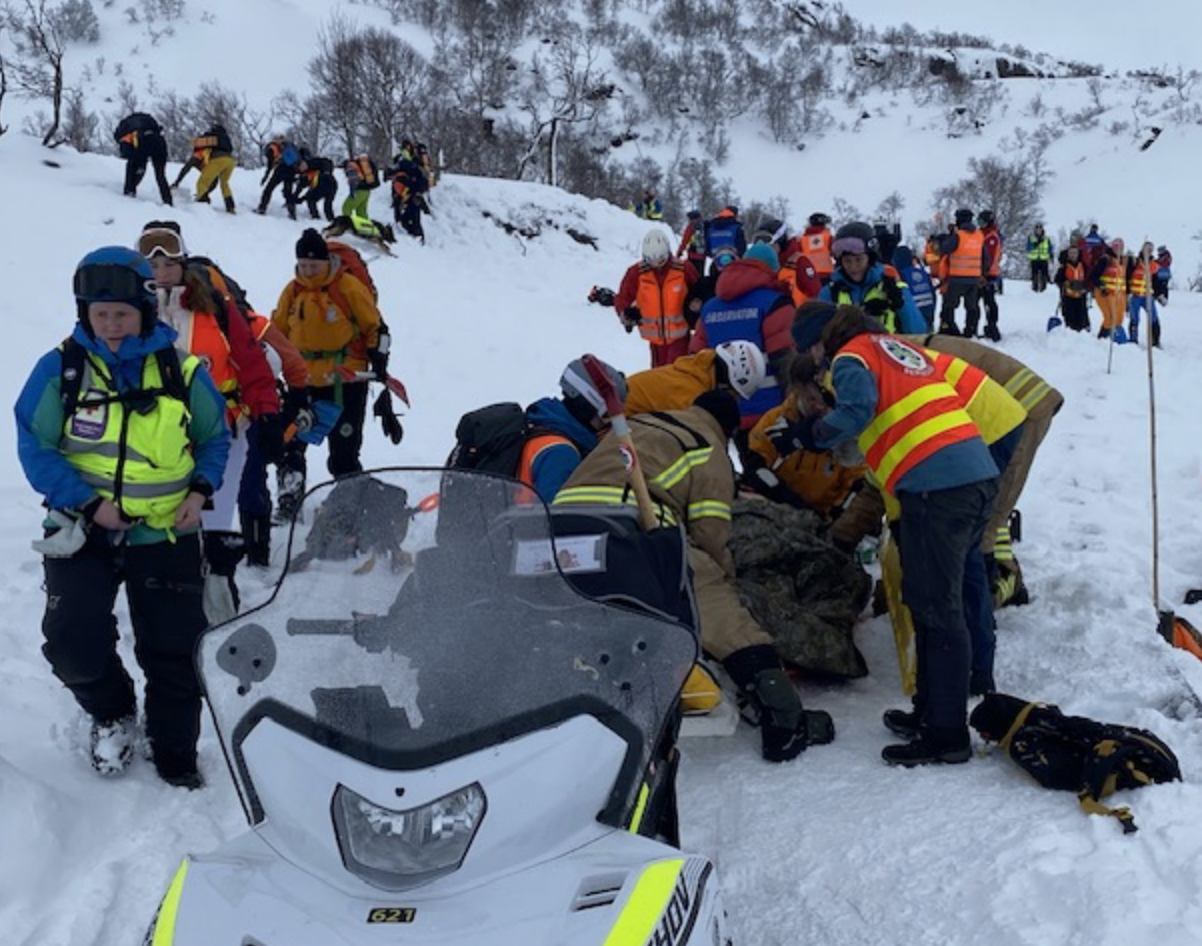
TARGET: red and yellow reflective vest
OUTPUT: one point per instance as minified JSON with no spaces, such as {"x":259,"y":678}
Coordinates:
{"x":992,"y":408}
{"x":1137,"y":285}
{"x":1074,"y":273}
{"x":965,"y":260}
{"x":817,"y":246}
{"x":662,"y":306}
{"x":1114,"y":278}
{"x":918,"y":412}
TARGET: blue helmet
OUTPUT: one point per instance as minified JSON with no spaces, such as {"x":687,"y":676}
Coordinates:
{"x":116,"y":274}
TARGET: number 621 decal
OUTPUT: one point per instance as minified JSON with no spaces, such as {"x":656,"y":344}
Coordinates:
{"x":391,"y":915}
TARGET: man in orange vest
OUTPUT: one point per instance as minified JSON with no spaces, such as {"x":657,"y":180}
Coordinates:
{"x":653,"y":296}
{"x":1108,"y":278}
{"x":962,"y":270}
{"x":816,"y":245}
{"x":1140,"y":281}
{"x":923,"y":448}
{"x":1070,"y":277}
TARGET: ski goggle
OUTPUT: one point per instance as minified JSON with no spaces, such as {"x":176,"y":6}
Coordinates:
{"x":110,"y":283}
{"x":160,"y":241}
{"x":853,"y":245}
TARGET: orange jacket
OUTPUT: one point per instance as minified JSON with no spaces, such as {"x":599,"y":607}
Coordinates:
{"x":816,"y":244}
{"x":661,"y":303}
{"x":1136,"y":284}
{"x":815,"y":475}
{"x":917,"y":413}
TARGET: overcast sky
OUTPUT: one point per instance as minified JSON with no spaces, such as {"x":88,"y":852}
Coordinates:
{"x":1115,"y":34}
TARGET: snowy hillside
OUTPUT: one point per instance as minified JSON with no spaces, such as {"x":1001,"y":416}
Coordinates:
{"x":832,"y":848}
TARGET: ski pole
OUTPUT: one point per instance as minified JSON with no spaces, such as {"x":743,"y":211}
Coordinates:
{"x":621,"y":432}
{"x":1146,"y":262}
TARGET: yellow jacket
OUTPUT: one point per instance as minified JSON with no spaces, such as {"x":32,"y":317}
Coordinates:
{"x":815,"y":475}
{"x":673,"y":387}
{"x":332,"y":320}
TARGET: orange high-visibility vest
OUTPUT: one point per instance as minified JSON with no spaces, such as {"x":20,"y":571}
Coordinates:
{"x":965,"y":260}
{"x":931,"y":254}
{"x":1114,"y":278}
{"x":917,"y":414}
{"x":662,"y":307}
{"x":818,"y":249}
{"x":207,"y":342}
{"x":1074,"y":272}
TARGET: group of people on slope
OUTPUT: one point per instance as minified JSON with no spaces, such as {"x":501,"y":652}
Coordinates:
{"x":301,"y":176}
{"x":148,"y":432}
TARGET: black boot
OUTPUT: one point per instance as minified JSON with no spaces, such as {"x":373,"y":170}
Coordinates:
{"x":256,"y":533}
{"x":229,"y":205}
{"x":932,"y":747}
{"x":906,"y":723}
{"x":786,"y":728}
{"x":222,"y":551}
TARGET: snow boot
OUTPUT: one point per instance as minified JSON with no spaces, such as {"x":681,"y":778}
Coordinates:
{"x":222,"y":551}
{"x":948,"y":327}
{"x":992,"y":333}
{"x":981,"y":682}
{"x":229,"y":206}
{"x":290,"y":495}
{"x":786,"y":728}
{"x":256,"y":534}
{"x":903,"y":722}
{"x":192,"y":781}
{"x":111,"y":745}
{"x":932,"y":747}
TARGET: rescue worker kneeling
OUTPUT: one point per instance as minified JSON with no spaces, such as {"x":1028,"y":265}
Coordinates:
{"x":684,"y":458}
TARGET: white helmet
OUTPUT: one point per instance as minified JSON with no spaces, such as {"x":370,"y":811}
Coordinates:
{"x":656,"y":249}
{"x":745,"y":365}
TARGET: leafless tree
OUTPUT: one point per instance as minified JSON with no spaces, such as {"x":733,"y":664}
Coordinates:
{"x":36,"y":33}
{"x":3,"y":77}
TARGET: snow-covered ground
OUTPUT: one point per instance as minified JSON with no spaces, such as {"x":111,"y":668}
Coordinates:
{"x":833,"y":848}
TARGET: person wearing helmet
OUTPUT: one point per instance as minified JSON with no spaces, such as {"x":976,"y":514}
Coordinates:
{"x":124,"y":438}
{"x":816,"y":245}
{"x":1040,"y":255}
{"x":991,"y":246}
{"x":683,"y":455}
{"x":751,"y":304}
{"x":654,"y":295}
{"x":1108,"y":280}
{"x":562,"y":431}
{"x":861,"y":279}
{"x":736,"y":366}
{"x":962,"y":268}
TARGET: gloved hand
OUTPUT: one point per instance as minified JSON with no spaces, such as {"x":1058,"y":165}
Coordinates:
{"x":789,"y":438}
{"x":271,"y":436}
{"x":767,"y":484}
{"x":388,"y":420}
{"x":602,"y":296}
{"x":1162,"y":300}
{"x":876,"y":308}
{"x":379,"y":362}
{"x":296,"y":402}
{"x":631,"y":317}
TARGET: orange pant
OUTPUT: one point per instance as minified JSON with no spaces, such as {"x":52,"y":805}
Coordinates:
{"x":1113,"y":307}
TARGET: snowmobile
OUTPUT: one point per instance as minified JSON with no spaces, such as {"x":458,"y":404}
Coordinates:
{"x":475,"y":748}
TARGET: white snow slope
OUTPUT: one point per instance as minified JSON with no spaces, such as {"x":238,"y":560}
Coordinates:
{"x":832,"y":848}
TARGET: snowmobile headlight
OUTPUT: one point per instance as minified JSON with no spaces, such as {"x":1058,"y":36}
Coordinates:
{"x":400,"y":849}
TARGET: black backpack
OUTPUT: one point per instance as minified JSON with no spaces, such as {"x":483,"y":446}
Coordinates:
{"x":224,"y":143}
{"x":139,"y":122}
{"x":74,"y":359}
{"x":1075,"y":753}
{"x":491,"y":439}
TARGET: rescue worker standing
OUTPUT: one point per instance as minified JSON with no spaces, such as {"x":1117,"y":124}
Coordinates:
{"x":332,"y":318}
{"x":124,"y":466}
{"x":1039,"y":254}
{"x":1071,"y":278}
{"x":691,"y":481}
{"x":962,"y":268}
{"x":1108,"y":277}
{"x":816,"y":245}
{"x":140,"y":140}
{"x":992,"y":287}
{"x":923,"y":448}
{"x":652,"y":297}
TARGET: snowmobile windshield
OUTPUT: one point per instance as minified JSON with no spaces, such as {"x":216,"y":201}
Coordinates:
{"x":428,"y":614}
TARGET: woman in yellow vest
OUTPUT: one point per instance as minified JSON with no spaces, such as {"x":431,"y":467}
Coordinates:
{"x":125,"y":438}
{"x":922,"y":447}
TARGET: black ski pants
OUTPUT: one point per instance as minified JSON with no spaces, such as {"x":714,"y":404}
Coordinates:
{"x":280,"y":174}
{"x":153,"y":150}
{"x":409,"y":215}
{"x":164,"y":586}
{"x":345,"y":440}
{"x":989,"y":299}
{"x":958,"y":290}
{"x":940,"y":531}
{"x":1039,"y":274}
{"x":1076,"y":314}
{"x":325,"y":191}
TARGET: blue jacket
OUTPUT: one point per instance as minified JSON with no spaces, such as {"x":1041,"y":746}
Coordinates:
{"x":725,"y":232}
{"x":856,"y":398}
{"x":909,"y":319}
{"x":40,"y":420}
{"x":915,"y":276}
{"x":555,"y":463}
{"x":741,"y":318}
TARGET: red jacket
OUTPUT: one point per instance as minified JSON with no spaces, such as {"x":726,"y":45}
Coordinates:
{"x":741,"y":277}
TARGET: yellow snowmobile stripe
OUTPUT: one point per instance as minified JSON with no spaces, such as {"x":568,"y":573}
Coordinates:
{"x":646,"y":905}
{"x":640,"y":806}
{"x":164,"y":920}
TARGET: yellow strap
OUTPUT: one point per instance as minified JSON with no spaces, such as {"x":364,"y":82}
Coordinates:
{"x":164,"y":920}
{"x":646,"y":905}
{"x":1018,"y":724}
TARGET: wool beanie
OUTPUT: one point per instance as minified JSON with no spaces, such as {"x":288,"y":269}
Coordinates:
{"x":723,"y":407}
{"x":765,"y":254}
{"x":312,"y":245}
